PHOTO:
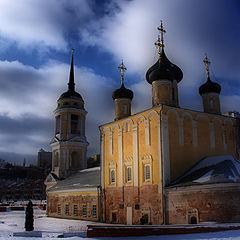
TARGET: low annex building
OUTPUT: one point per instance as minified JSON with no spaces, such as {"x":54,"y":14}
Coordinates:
{"x":164,"y":165}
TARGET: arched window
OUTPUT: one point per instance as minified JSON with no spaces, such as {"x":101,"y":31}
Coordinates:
{"x":75,"y":124}
{"x":112,"y":176}
{"x":129,"y":174}
{"x":147,"y":173}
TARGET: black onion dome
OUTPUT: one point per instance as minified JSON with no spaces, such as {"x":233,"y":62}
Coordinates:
{"x":122,"y":92}
{"x":164,"y":69}
{"x":70,"y":94}
{"x":209,"y":87}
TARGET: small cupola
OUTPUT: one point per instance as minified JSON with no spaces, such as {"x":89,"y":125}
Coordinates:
{"x":122,"y":97}
{"x":210,"y":93}
{"x":164,"y":76}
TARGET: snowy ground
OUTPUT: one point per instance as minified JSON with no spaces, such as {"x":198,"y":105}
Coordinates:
{"x":49,"y":228}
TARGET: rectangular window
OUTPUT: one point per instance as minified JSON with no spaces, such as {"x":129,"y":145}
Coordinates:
{"x":129,"y":174}
{"x":59,"y":209}
{"x":94,"y":210}
{"x":75,"y":210}
{"x":147,"y":174}
{"x":66,"y":209}
{"x":84,"y":210}
{"x":74,"y":124}
{"x":112,"y":175}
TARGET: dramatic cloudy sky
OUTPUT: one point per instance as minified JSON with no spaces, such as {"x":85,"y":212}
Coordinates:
{"x":36,"y":38}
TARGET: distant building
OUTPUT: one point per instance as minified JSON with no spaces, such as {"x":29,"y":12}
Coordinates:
{"x":93,"y":161}
{"x":24,"y":189}
{"x":232,"y":114}
{"x":22,"y":183}
{"x":44,"y":159}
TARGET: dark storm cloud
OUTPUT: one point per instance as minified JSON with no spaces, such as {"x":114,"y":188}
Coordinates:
{"x":17,"y":80}
{"x":25,"y":125}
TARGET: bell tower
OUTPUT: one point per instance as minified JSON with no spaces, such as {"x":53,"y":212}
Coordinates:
{"x":69,"y":144}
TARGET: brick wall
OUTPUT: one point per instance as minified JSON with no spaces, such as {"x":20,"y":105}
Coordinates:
{"x":217,"y":203}
{"x":144,"y":200}
{"x":54,"y":202}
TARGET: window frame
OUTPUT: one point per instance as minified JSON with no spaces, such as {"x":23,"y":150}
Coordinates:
{"x":75,"y":210}
{"x":147,"y":162}
{"x":84,"y":210}
{"x":112,"y":176}
{"x":129,"y":174}
{"x":59,"y":209}
{"x":94,"y":210}
{"x":67,"y":209}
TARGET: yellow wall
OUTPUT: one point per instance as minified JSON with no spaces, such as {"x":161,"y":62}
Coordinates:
{"x":192,"y":136}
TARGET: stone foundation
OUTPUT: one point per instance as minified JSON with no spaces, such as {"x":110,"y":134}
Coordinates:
{"x":128,"y":205}
{"x":206,"y":203}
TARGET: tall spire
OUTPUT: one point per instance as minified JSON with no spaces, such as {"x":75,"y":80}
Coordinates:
{"x":122,"y":68}
{"x":207,"y":63}
{"x":71,"y":84}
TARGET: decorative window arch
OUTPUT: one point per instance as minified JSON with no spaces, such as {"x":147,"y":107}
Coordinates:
{"x":112,"y":174}
{"x":128,"y":171}
{"x":147,"y":169}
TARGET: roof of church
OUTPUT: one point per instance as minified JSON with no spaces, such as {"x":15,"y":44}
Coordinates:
{"x":71,"y":93}
{"x":217,"y":169}
{"x":87,"y":178}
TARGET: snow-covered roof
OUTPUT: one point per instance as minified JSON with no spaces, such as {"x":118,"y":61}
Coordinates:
{"x":217,"y":169}
{"x":87,"y":178}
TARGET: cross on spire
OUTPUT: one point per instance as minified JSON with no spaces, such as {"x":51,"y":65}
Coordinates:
{"x":158,"y":45}
{"x":162,"y":31}
{"x":122,"y":68}
{"x":207,"y":63}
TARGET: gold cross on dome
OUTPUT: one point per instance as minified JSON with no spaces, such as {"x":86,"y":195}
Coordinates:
{"x":122,"y":68}
{"x":207,"y":63}
{"x":158,"y":45}
{"x":162,"y":31}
